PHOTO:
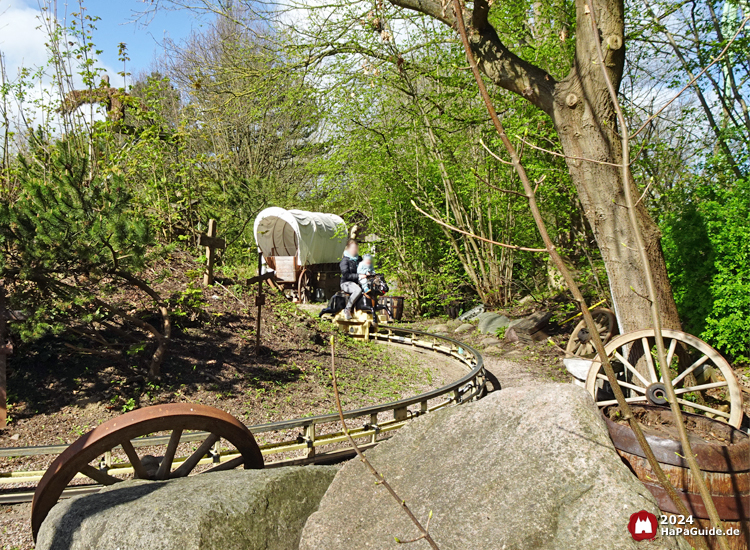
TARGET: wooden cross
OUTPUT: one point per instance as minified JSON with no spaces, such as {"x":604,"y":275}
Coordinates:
{"x":5,"y":350}
{"x":211,"y":242}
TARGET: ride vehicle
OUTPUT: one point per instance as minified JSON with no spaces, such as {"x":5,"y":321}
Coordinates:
{"x":367,"y":312}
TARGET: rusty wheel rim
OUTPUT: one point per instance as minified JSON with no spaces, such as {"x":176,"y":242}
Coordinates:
{"x":627,"y":350}
{"x":579,"y":342}
{"x":176,"y":418}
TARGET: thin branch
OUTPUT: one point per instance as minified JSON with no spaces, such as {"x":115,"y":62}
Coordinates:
{"x":695,"y":78}
{"x":565,"y":156}
{"x":378,"y":476}
{"x":493,"y":154}
{"x":473,"y":236}
{"x":495,"y":187}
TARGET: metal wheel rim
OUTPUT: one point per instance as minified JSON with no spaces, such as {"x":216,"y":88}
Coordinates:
{"x":637,"y":383}
{"x":175,"y":417}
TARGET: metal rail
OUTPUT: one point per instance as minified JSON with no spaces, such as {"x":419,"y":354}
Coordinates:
{"x":310,"y":438}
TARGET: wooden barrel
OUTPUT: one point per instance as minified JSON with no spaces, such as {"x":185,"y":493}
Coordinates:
{"x":725,"y":463}
{"x":395,"y":305}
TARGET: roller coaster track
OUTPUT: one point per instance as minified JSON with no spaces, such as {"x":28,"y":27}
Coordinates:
{"x":310,"y":440}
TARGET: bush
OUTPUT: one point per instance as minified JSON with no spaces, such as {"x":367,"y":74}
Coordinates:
{"x":707,"y":248}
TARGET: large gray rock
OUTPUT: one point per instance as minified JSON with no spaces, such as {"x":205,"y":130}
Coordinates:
{"x":490,"y":323}
{"x":528,"y":468}
{"x":233,"y":510}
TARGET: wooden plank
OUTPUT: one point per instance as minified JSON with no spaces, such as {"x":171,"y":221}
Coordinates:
{"x":286,"y":269}
{"x":260,"y":278}
{"x":211,"y":242}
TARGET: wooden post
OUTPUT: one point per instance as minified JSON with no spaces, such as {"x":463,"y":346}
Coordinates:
{"x":259,"y":301}
{"x":211,"y":242}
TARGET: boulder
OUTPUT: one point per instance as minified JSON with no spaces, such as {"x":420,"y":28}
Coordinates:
{"x":493,"y":349}
{"x":439,"y":329}
{"x":525,"y":468}
{"x":466,"y":327}
{"x":232,"y":510}
{"x":490,"y":324}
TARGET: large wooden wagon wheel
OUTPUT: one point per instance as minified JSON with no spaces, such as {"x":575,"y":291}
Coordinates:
{"x":84,"y":454}
{"x":580,"y":340}
{"x":703,"y":380}
{"x":305,"y":286}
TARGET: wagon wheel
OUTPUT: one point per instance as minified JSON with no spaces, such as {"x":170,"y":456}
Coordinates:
{"x":580,"y":340}
{"x":718,"y":386}
{"x":304,"y":286}
{"x":82,"y":456}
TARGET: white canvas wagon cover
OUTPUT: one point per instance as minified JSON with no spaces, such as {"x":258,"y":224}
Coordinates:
{"x":314,"y":237}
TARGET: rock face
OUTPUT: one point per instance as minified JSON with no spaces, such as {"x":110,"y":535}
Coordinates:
{"x":237,"y":509}
{"x":528,"y":468}
{"x":489,"y":323}
{"x":466,"y":327}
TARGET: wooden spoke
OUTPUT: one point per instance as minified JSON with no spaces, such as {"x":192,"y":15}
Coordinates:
{"x":192,"y":461}
{"x":138,"y":468}
{"x":640,"y":399}
{"x":639,"y":389}
{"x":649,"y":359}
{"x":228,"y":465}
{"x":166,"y":464}
{"x":98,"y":475}
{"x":680,"y":391}
{"x":632,"y":369}
{"x":703,"y":408}
{"x":670,"y":353}
{"x":690,"y":369}
{"x":721,"y":394}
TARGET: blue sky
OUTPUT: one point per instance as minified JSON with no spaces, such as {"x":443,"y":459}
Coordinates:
{"x":143,"y":38}
{"x":22,"y":44}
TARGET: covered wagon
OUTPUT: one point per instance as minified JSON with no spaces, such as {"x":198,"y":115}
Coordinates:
{"x":303,"y":249}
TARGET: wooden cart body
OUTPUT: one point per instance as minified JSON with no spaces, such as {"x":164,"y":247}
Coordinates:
{"x":303,"y":249}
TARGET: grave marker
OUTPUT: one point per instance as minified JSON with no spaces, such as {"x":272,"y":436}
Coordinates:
{"x":211,"y":242}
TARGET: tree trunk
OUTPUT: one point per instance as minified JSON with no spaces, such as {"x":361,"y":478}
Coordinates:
{"x":584,"y":117}
{"x":586,"y":124}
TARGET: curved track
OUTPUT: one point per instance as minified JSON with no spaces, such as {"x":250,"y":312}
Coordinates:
{"x":315,"y":439}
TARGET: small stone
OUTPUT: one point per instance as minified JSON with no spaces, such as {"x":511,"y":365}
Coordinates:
{"x":466,"y":327}
{"x":490,"y":341}
{"x":15,"y":437}
{"x":525,"y":300}
{"x":439,"y":328}
{"x":493,"y":349}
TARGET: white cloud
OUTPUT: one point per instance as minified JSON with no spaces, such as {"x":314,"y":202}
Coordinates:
{"x":23,"y":39}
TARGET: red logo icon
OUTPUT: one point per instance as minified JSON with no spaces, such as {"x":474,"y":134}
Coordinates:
{"x":642,"y":525}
